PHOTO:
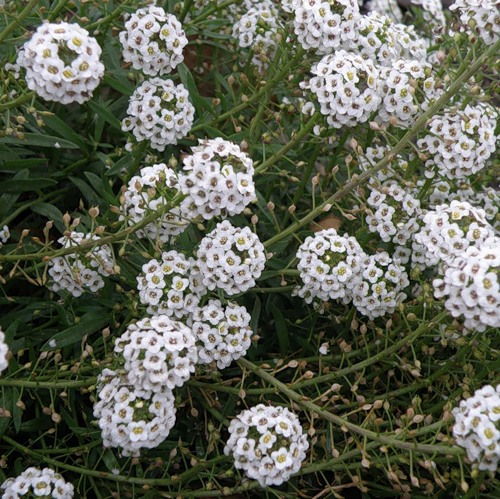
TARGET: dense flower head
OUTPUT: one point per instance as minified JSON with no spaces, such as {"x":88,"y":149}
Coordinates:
{"x":408,"y":89}
{"x":83,"y":271}
{"x":409,"y":45}
{"x":159,"y":111}
{"x":380,"y":289}
{"x":477,"y":427}
{"x":394,"y":213}
{"x":471,"y":285}
{"x":151,"y":190}
{"x":432,"y":11}
{"x":329,"y":266}
{"x":62,"y":63}
{"x":450,"y":229}
{"x":347,"y":88}
{"x":35,"y":482}
{"x":256,"y":29}
{"x":4,"y":235}
{"x":230,"y":258}
{"x":267,"y":443}
{"x":459,"y":143}
{"x":389,"y":8}
{"x":325,"y":26}
{"x":479,"y":17}
{"x":217,"y":180}
{"x":222,"y":333}
{"x":131,"y":417}
{"x":396,"y":168}
{"x":168,"y":287}
{"x":4,"y":350}
{"x":153,"y":41}
{"x":157,"y":352}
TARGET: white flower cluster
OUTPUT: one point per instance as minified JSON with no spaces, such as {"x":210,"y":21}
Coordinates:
{"x":40,"y":483}
{"x":396,"y":213}
{"x":169,"y":287}
{"x":408,"y":89}
{"x":268,"y":443}
{"x":389,"y":8}
{"x":153,"y":41}
{"x":76,"y":273}
{"x":130,"y":416}
{"x":4,"y":350}
{"x":256,"y":29}
{"x":397,"y":167}
{"x":477,"y":427}
{"x":409,"y":45}
{"x":222,"y":334}
{"x":480,"y":17}
{"x":432,"y":11}
{"x":451,"y":229}
{"x":148,"y":192}
{"x":329,"y":266}
{"x":230,"y":258}
{"x":158,"y":352}
{"x":459,"y":143}
{"x":325,"y":26}
{"x":346,"y":87}
{"x":159,"y":111}
{"x":62,"y":63}
{"x":471,"y":285}
{"x":218,"y":180}
{"x":380,"y":289}
{"x":4,"y":235}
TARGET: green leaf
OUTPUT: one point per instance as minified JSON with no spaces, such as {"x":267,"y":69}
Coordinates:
{"x":74,"y":334}
{"x":36,"y":139}
{"x":101,"y":187}
{"x":62,"y":129}
{"x":281,"y":328}
{"x":198,"y":101}
{"x":123,"y":164}
{"x":52,"y":213}
{"x":87,"y":191}
{"x":25,"y":163}
{"x":31,"y":184}
{"x":101,"y":110}
{"x":120,"y":84}
{"x":254,"y":321}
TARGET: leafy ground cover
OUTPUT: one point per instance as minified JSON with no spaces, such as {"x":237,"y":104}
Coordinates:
{"x":249,"y":249}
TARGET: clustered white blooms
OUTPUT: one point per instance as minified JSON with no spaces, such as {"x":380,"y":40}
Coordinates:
{"x":408,"y":89}
{"x":346,"y":87}
{"x":409,"y":45}
{"x":268,"y":443}
{"x":397,"y":167}
{"x":380,"y":289}
{"x":131,"y":417}
{"x":257,"y":29}
{"x":79,"y":272}
{"x":324,"y":26}
{"x":230,"y":258}
{"x":159,"y":111}
{"x":329,"y":266}
{"x":395,"y":213}
{"x":4,"y":350}
{"x":158,"y":352}
{"x":480,"y":17}
{"x":150,"y":191}
{"x":170,"y":286}
{"x":477,"y":427}
{"x":389,"y":8}
{"x":62,"y":63}
{"x":459,"y":143}
{"x":4,"y":234}
{"x":153,"y":41}
{"x":223,"y":334}
{"x":40,"y":483}
{"x":217,"y":180}
{"x":450,"y":229}
{"x":471,"y":285}
{"x":432,"y":11}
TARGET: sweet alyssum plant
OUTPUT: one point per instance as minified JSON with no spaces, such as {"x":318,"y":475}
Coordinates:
{"x":249,"y":248}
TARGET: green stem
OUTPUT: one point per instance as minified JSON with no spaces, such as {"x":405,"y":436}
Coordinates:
{"x":421,"y":122}
{"x":48,"y":385}
{"x":343,"y":423}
